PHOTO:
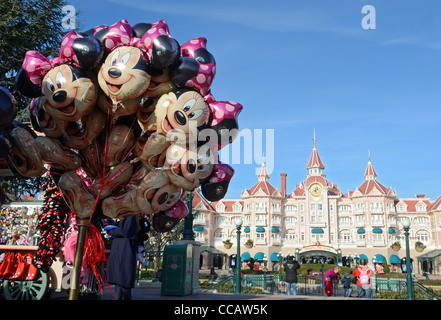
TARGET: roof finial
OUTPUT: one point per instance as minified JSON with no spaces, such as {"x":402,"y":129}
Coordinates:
{"x":314,"y":140}
{"x":369,"y":152}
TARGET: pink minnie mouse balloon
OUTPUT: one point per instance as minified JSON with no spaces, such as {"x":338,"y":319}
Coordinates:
{"x":179,"y":210}
{"x":197,"y":50}
{"x":165,"y":221}
{"x":217,"y":185}
{"x":223,"y":120}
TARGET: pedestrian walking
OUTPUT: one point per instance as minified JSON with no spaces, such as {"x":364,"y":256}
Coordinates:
{"x":330,"y":276}
{"x":364,"y":283}
{"x":347,"y":284}
{"x":291,"y":267}
{"x":121,"y":263}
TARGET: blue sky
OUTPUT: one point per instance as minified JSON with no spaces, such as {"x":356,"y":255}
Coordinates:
{"x":299,"y":65}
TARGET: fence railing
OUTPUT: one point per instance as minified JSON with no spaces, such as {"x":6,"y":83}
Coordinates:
{"x":311,"y":285}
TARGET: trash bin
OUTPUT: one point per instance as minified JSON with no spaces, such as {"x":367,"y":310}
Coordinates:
{"x":177,"y":267}
{"x":270,"y":286}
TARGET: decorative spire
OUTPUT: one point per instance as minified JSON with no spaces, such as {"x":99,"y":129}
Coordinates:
{"x":263,"y":173}
{"x":370,"y":173}
{"x":314,"y":160}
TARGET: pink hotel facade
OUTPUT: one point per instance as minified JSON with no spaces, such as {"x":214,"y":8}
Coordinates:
{"x":316,"y":218}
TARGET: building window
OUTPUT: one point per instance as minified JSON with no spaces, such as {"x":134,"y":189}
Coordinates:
{"x":422,"y":237}
{"x":236,"y":207}
{"x":317,"y":237}
{"x":319,"y":206}
{"x":331,"y":207}
{"x":290,"y":236}
{"x":199,"y":235}
{"x":376,"y":219}
{"x":345,"y":237}
{"x":312,"y":206}
{"x":220,"y":235}
{"x":220,"y":207}
{"x":260,"y":237}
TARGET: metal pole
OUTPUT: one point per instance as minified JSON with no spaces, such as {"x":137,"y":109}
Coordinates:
{"x":188,"y":233}
{"x":408,"y":270}
{"x":238,"y":262}
{"x":83,"y":224}
{"x":323,"y":277}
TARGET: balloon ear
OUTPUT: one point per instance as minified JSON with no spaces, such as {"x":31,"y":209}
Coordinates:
{"x":5,"y":145}
{"x":163,"y":223}
{"x":25,"y":86}
{"x":101,"y":35}
{"x":165,"y":52}
{"x":89,"y":52}
{"x":215,"y":191}
{"x":7,"y":108}
{"x":184,"y":70}
{"x":140,"y":28}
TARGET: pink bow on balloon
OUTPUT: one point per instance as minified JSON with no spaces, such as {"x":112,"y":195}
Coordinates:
{"x":120,"y":34}
{"x":37,"y":65}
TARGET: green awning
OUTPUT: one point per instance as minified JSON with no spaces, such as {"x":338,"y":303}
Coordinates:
{"x":212,"y":250}
{"x":392,"y":230}
{"x":274,"y":229}
{"x":363,"y":256}
{"x":394,"y":259}
{"x":377,"y":230}
{"x":274,"y":257}
{"x":260,"y":229}
{"x":259,"y":256}
{"x":247,"y":229}
{"x":380,"y":258}
{"x":245,"y":256}
{"x":198,"y":228}
{"x":317,"y":230}
{"x":361,"y":231}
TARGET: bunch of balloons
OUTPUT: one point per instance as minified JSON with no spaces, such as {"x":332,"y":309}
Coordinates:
{"x":128,"y":122}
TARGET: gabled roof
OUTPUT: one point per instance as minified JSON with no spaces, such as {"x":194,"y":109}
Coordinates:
{"x":371,"y":185}
{"x":437,"y":204}
{"x":262,"y":185}
{"x":198,"y":199}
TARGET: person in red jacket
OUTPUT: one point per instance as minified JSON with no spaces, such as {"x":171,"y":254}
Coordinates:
{"x":330,"y":276}
{"x":363,"y":275}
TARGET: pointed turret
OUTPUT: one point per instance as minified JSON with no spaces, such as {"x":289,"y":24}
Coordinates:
{"x":263,"y":173}
{"x":370,"y":173}
{"x":315,"y":164}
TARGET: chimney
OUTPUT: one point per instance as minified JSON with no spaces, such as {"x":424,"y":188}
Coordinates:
{"x":283,"y":175}
{"x":421,"y":196}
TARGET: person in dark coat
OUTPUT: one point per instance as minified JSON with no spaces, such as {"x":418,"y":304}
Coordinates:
{"x":291,"y":267}
{"x":121,"y":263}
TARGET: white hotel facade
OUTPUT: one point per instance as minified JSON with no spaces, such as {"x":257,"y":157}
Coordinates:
{"x":317,"y":219}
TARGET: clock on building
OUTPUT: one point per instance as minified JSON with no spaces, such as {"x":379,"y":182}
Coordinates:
{"x":315,"y":189}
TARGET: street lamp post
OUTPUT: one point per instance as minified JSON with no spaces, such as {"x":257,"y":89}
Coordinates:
{"x":188,"y":233}
{"x":238,"y":221}
{"x":406,"y":227}
{"x":280,"y":264}
{"x":374,"y":261}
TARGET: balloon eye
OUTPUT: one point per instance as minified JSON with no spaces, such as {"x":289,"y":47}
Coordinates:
{"x":163,"y":198}
{"x":60,"y":80}
{"x":125,"y":58}
{"x":195,"y":114}
{"x":50,"y":85}
{"x":203,"y":168}
{"x":114,"y":58}
{"x":191,"y":166}
{"x":188,"y":105}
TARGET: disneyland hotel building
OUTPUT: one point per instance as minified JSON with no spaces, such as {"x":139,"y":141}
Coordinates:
{"x":317,"y":220}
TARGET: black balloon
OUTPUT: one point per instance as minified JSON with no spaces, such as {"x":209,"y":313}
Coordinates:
{"x":7,"y":108}
{"x":163,"y":223}
{"x":214,"y":191}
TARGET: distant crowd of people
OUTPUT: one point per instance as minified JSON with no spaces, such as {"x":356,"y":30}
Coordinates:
{"x":361,"y":276}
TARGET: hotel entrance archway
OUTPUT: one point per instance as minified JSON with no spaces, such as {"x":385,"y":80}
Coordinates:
{"x":316,"y":254}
